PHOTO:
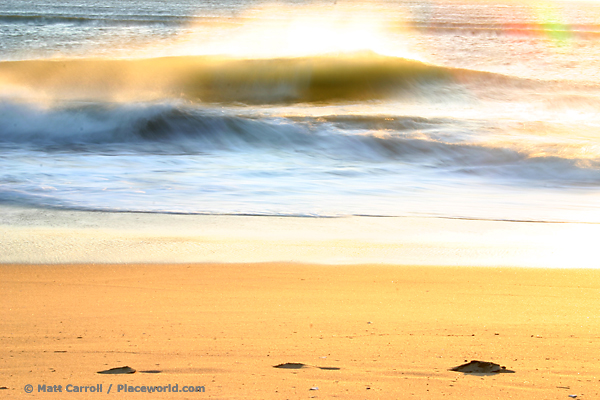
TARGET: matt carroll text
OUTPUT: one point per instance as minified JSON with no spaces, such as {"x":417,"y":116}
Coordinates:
{"x":70,"y":388}
{"x":119,"y":388}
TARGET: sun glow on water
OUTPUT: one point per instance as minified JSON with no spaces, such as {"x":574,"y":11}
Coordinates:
{"x":298,"y":31}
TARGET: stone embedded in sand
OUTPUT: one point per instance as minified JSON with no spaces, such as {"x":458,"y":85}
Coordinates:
{"x":118,"y":370}
{"x":290,"y":366}
{"x":300,"y":365}
{"x":479,"y":367}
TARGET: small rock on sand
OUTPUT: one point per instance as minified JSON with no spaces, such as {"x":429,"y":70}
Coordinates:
{"x":301,"y":365}
{"x":290,"y":366}
{"x":118,"y":370}
{"x":480,"y":367}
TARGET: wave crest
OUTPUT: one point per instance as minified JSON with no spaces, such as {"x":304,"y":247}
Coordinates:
{"x":353,"y":77}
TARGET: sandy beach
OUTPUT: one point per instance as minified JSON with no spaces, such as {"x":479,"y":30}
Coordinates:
{"x":367,"y":322}
{"x":392,"y":331}
{"x":248,"y":199}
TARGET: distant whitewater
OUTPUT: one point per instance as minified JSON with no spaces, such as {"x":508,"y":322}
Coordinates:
{"x":144,"y":116}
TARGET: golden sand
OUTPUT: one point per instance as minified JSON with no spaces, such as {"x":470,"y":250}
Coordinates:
{"x":393,"y":331}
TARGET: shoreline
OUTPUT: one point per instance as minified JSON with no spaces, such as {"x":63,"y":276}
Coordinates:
{"x":371,"y":307}
{"x":49,"y":236}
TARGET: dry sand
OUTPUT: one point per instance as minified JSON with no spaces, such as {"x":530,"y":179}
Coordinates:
{"x":392,"y":330}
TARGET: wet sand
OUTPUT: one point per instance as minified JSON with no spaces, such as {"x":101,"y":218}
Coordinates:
{"x":43,"y":236}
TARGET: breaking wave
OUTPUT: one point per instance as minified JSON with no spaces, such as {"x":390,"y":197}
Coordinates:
{"x":324,"y":79}
{"x":430,"y":143}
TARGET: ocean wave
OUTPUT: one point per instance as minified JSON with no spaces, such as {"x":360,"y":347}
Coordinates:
{"x":319,"y":79}
{"x":113,"y":20}
{"x":436,"y":144}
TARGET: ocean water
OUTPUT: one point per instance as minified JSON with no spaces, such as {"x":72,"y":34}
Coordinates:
{"x":458,"y":109}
